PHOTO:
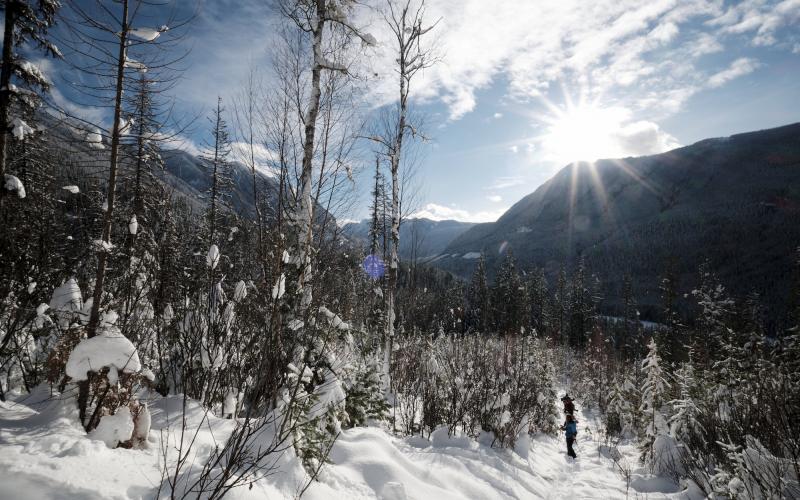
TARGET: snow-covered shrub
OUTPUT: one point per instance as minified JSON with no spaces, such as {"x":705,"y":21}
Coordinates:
{"x":752,"y":471}
{"x":622,"y":412}
{"x":313,"y":405}
{"x":475,"y":385}
{"x":365,"y":399}
{"x":109,"y":364}
{"x":108,"y":349}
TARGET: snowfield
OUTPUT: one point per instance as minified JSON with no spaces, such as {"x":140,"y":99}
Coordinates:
{"x":45,"y":454}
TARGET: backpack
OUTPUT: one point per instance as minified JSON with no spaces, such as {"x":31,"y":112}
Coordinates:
{"x":571,"y":429}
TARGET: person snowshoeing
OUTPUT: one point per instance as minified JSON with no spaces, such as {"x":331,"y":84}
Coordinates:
{"x":571,"y":429}
{"x":569,"y":406}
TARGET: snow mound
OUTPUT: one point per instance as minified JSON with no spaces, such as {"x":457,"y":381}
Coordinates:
{"x":67,"y":297}
{"x":45,"y":453}
{"x":114,"y":429}
{"x":109,"y":348}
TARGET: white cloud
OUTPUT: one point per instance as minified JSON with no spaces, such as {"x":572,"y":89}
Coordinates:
{"x":185,"y":143}
{"x":433,"y":211}
{"x":623,"y":50}
{"x":761,"y":19}
{"x":514,"y":149}
{"x":497,"y":116}
{"x":587,"y":133}
{"x":639,"y":47}
{"x":240,"y":151}
{"x":643,"y":138}
{"x":739,"y":67}
{"x":494,"y":198}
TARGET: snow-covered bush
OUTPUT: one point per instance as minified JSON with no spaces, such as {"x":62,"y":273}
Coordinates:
{"x":622,"y":412}
{"x":474,"y":385}
{"x":365,"y":399}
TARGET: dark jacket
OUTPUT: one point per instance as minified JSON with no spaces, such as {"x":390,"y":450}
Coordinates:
{"x":571,"y":429}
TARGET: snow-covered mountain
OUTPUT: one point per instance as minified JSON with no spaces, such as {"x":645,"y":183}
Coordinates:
{"x":733,"y":200}
{"x":419,"y":238}
{"x":188,"y":175}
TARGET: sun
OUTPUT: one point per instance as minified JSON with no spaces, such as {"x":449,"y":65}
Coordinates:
{"x":582,"y":132}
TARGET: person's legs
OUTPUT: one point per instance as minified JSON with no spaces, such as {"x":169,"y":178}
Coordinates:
{"x":570,"y":451}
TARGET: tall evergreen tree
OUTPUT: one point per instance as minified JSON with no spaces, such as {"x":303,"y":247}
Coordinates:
{"x":716,"y":310}
{"x":581,"y":307}
{"x":561,"y":305}
{"x":20,"y":79}
{"x":219,"y":167}
{"x":654,"y":392}
{"x":477,"y":306}
{"x":145,"y":151}
{"x":377,"y":227}
{"x":630,"y":315}
{"x":509,"y":299}
{"x":539,"y":296}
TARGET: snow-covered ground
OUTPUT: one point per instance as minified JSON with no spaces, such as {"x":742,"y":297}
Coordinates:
{"x":44,"y":454}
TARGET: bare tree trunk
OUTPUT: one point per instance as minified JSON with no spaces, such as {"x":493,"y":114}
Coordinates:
{"x":5,"y":91}
{"x":108,"y":220}
{"x":406,"y":25}
{"x":304,"y":208}
{"x":138,"y":205}
{"x":394,"y":260}
{"x":102,"y":257}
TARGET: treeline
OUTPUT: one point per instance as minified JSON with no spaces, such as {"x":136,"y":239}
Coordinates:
{"x":714,"y":408}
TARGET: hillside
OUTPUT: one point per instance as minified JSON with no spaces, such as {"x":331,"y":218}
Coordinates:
{"x":734,"y":201}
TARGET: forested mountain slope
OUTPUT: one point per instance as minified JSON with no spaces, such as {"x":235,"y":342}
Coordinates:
{"x":734,"y":201}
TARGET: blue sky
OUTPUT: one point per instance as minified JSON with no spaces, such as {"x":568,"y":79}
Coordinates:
{"x":526,"y":86}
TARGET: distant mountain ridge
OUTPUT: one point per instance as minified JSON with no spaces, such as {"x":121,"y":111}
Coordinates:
{"x":734,"y":201}
{"x":420,"y":239}
{"x":188,"y":175}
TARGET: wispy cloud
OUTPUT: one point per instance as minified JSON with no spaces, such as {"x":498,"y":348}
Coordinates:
{"x":625,"y":50}
{"x":760,"y":19}
{"x":262,"y":157}
{"x":739,"y":67}
{"x":505,"y":182}
{"x":434,"y":211}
